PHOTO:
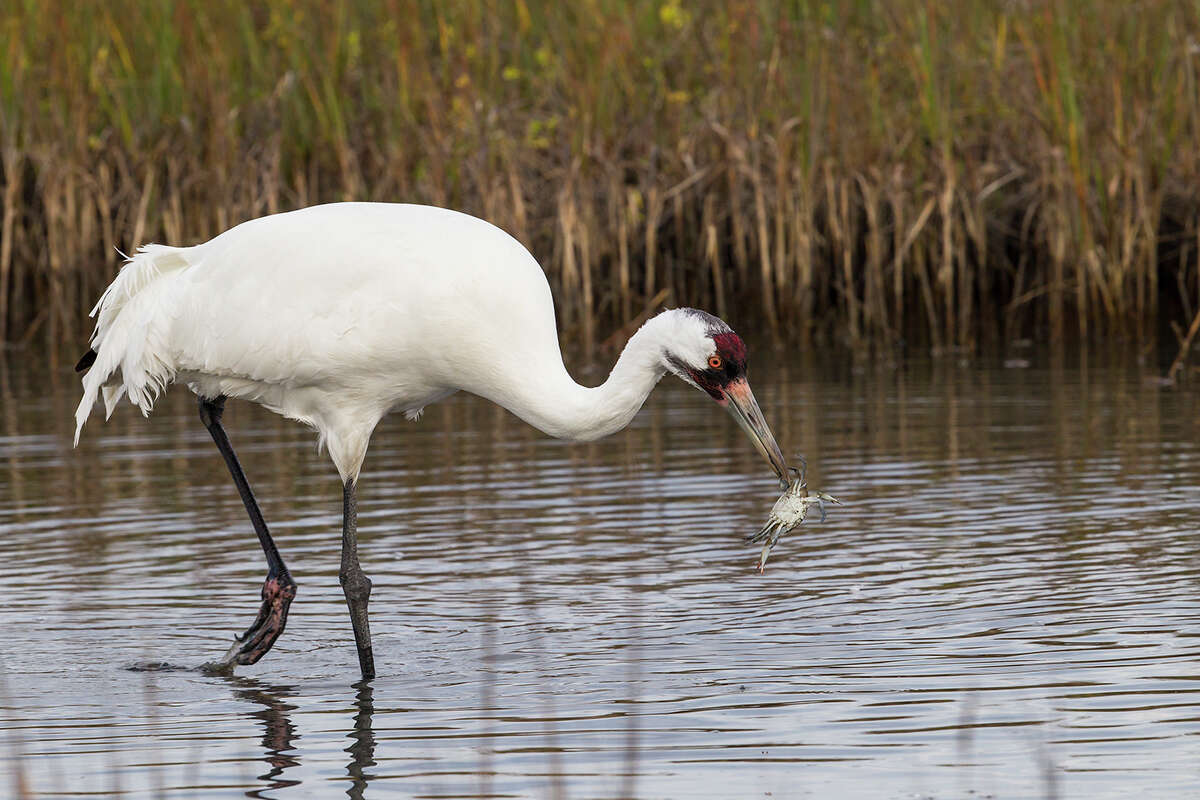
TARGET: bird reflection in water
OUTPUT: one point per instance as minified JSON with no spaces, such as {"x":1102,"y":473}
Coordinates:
{"x":362,"y":741}
{"x":279,"y":732}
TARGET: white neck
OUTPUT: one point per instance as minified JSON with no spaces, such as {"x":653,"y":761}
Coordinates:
{"x":550,"y":400}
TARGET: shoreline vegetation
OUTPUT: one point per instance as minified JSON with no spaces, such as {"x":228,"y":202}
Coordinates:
{"x":949,"y":175}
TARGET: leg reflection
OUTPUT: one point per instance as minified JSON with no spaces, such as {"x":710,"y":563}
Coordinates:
{"x":278,"y":731}
{"x":362,"y":746}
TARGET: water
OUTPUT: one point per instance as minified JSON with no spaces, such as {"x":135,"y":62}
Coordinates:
{"x":1006,"y":606}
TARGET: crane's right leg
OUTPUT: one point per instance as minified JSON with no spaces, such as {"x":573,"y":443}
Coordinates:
{"x":279,"y":588}
{"x":355,"y":584}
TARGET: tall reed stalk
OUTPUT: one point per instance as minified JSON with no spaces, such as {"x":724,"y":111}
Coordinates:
{"x":945,"y":173}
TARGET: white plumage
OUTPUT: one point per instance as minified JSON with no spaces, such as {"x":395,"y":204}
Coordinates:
{"x":337,"y":314}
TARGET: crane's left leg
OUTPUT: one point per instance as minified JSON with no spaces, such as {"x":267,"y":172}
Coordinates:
{"x":355,"y":584}
{"x":279,"y":588}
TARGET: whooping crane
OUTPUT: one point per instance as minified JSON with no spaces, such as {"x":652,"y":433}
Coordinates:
{"x":335,"y":315}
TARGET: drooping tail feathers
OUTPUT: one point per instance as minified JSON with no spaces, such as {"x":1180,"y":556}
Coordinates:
{"x":131,"y":357}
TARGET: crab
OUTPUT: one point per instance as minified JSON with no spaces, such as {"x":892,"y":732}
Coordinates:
{"x":788,"y":512}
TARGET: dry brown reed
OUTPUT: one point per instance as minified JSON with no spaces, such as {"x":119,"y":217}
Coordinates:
{"x":943,"y":173}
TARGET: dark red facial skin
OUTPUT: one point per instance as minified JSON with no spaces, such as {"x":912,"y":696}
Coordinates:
{"x":732,"y":351}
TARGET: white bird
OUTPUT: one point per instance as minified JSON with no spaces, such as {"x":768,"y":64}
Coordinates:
{"x":335,"y":315}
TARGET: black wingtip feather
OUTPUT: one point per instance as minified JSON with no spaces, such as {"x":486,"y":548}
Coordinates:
{"x":88,"y":359}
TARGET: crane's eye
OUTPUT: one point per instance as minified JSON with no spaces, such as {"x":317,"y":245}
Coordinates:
{"x":715,"y":362}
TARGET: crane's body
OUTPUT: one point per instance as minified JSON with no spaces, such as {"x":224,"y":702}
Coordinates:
{"x":335,"y":315}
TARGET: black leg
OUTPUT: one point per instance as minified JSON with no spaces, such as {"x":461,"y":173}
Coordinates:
{"x":355,"y":584}
{"x":279,"y":588}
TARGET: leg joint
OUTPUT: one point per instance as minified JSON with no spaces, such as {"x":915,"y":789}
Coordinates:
{"x":211,"y":410}
{"x":355,"y":584}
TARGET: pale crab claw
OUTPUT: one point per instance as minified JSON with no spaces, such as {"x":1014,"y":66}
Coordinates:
{"x":801,"y":473}
{"x":822,"y":499}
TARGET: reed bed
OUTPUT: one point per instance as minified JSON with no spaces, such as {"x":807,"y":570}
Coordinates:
{"x":946,"y":174}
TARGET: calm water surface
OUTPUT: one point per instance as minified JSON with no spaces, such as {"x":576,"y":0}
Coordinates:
{"x":1007,"y":605}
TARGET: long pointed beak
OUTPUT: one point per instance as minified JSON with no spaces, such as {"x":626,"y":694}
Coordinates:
{"x":745,"y":410}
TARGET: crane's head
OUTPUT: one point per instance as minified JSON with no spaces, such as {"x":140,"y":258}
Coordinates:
{"x":705,"y":352}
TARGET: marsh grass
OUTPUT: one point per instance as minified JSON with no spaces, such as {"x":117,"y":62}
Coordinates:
{"x":950,"y":174}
